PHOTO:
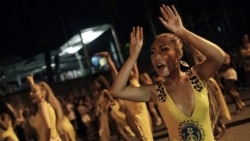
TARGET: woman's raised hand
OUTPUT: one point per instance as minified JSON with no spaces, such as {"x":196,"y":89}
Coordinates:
{"x":30,"y":79}
{"x":171,"y":19}
{"x":136,"y":40}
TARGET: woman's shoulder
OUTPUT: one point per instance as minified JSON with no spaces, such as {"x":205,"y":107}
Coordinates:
{"x":43,"y":104}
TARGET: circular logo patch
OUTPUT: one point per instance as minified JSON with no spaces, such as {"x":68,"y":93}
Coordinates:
{"x":191,"y":131}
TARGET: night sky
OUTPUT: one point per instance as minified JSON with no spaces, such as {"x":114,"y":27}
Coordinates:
{"x":29,"y":27}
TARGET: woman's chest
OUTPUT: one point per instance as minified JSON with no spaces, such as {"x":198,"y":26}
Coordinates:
{"x":184,"y":99}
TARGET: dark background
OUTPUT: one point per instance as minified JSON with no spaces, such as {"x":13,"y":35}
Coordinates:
{"x":29,"y":27}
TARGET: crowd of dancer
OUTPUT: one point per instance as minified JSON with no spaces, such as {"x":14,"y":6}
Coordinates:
{"x":184,"y":95}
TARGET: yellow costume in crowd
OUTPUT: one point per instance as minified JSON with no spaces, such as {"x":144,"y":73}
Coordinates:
{"x":137,"y":114}
{"x":102,"y":105}
{"x":138,"y":117}
{"x":69,"y":129}
{"x":220,"y":107}
{"x":39,"y":125}
{"x":8,"y":133}
{"x":120,"y":118}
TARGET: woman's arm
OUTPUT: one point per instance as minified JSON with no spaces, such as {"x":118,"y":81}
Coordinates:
{"x":119,"y":87}
{"x":46,"y":117}
{"x":4,"y":121}
{"x":30,"y":79}
{"x":111,"y":64}
{"x":136,"y":71}
{"x":213,"y":53}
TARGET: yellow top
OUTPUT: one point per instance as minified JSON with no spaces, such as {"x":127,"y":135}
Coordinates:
{"x":101,"y":110}
{"x":183,"y":128}
{"x":9,"y":132}
{"x":68,"y":128}
{"x":39,"y":125}
{"x":220,"y":100}
{"x":120,"y":118}
{"x":138,"y":112}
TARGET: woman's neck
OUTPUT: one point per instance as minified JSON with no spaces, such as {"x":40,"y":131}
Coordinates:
{"x":175,"y":77}
{"x":41,"y":102}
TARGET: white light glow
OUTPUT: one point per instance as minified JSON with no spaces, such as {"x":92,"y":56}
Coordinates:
{"x":71,"y":50}
{"x":52,"y":65}
{"x":89,"y":36}
{"x":103,"y":61}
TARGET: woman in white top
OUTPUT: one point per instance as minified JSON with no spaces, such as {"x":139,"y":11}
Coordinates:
{"x":229,"y":75}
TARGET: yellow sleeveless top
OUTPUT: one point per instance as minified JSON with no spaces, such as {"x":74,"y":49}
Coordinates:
{"x":180,"y":127}
{"x":9,"y":132}
{"x":140,"y":116}
{"x":138,"y":112}
{"x":39,"y":125}
{"x":120,"y":118}
{"x":68,"y":128}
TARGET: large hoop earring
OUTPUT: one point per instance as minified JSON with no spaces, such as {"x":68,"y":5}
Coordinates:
{"x":184,"y":64}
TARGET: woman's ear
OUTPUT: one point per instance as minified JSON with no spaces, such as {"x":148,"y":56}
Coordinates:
{"x":179,"y":54}
{"x":179,"y":57}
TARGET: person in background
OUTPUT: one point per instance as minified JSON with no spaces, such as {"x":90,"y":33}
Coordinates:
{"x":69,"y":131}
{"x":125,"y":131}
{"x":49,"y":113}
{"x":245,"y":53}
{"x":239,"y":58}
{"x":29,"y":130}
{"x":182,"y":97}
{"x":84,"y":110}
{"x":71,"y":108}
{"x":101,"y":103}
{"x":229,"y":76}
{"x":19,"y":126}
{"x":7,"y":122}
{"x":102,"y":111}
{"x":146,"y":80}
{"x":218,"y":108}
{"x":116,"y":106}
{"x":137,"y":114}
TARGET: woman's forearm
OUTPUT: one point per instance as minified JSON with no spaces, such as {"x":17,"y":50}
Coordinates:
{"x":120,"y":83}
{"x":206,"y":47}
{"x":123,"y":75}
